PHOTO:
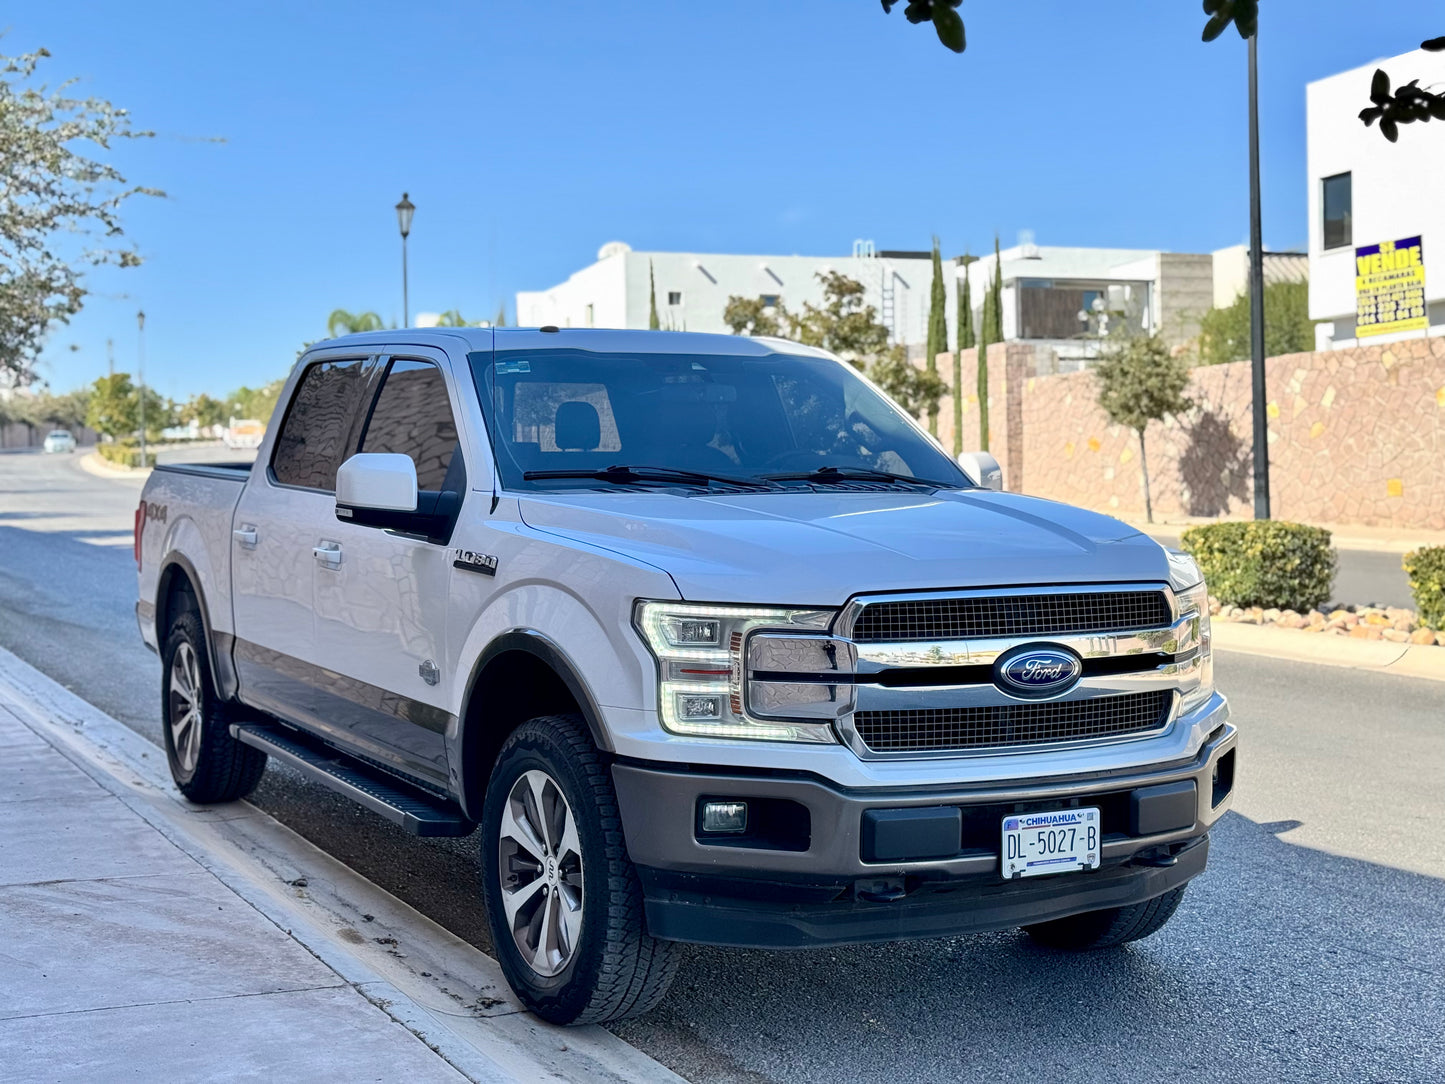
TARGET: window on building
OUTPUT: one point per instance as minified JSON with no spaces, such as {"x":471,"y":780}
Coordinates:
{"x":770,"y":301}
{"x":674,"y":297}
{"x":413,"y":416}
{"x":1339,"y":230}
{"x":318,"y":429}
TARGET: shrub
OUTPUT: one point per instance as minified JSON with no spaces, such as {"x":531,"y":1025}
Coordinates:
{"x":1426,"y":569}
{"x":1266,"y":563}
{"x":125,"y":453}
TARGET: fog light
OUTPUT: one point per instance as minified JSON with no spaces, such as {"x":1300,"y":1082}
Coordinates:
{"x":722,"y":817}
{"x":692,"y":706}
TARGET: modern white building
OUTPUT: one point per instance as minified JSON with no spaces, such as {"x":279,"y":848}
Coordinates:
{"x":1364,"y":190}
{"x":693,"y":288}
{"x":1062,"y":299}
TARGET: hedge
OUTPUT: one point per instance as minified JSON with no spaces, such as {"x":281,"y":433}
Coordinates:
{"x":1426,"y":569}
{"x":1285,"y":566}
{"x":125,"y":454}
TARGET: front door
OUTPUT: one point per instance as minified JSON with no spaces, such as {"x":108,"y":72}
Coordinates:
{"x":381,"y":603}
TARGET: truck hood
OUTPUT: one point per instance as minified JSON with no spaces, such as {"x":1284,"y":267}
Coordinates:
{"x":818,"y":549}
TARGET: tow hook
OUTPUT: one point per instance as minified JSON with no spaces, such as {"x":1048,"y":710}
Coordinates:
{"x":1158,"y":857}
{"x":880,"y":889}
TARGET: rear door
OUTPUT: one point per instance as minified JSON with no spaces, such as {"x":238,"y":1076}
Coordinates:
{"x":381,"y":604}
{"x":286,"y":512}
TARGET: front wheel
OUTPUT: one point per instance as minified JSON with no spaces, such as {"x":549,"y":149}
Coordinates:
{"x":1110,"y":927}
{"x":563,"y":899}
{"x":208,"y":765}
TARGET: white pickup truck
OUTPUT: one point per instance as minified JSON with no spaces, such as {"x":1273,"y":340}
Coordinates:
{"x":711,"y":641}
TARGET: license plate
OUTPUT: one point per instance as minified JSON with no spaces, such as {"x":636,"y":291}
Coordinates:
{"x":1054,"y":842}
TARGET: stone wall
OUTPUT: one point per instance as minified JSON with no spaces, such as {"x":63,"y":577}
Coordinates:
{"x":1355,"y":436}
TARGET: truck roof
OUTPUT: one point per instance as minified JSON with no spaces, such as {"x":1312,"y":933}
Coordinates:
{"x":603,"y":340}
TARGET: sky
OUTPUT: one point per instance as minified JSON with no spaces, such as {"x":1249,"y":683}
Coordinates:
{"x":530,"y":134}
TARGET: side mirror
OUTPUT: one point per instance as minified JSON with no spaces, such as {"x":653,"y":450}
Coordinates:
{"x":380,"y":481}
{"x":378,"y":489}
{"x":982,"y":468}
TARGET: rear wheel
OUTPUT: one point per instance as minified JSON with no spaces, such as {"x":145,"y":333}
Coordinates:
{"x":1105,"y":929}
{"x":563,"y":899}
{"x":207,"y":764}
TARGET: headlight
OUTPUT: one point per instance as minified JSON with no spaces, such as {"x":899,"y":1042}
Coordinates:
{"x":1196,"y":672}
{"x":747,"y":671}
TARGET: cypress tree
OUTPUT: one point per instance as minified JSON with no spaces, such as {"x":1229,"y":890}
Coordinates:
{"x":937,"y":328}
{"x":501,"y":320}
{"x":985,"y":329}
{"x":653,"y":323}
{"x":996,"y":332}
{"x":965,"y":340}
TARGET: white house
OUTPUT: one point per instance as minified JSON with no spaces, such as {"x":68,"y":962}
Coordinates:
{"x":692,"y":288}
{"x":1366,"y":191}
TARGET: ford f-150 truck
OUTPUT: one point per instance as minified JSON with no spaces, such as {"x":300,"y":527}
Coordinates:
{"x":707,"y":637}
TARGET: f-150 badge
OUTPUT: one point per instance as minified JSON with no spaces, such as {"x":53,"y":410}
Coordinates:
{"x":469,"y":561}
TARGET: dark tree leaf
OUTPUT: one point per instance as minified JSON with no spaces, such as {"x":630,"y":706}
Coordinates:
{"x":1371,"y":114}
{"x":1434,"y":45}
{"x":1215,"y":27}
{"x":919,"y":11}
{"x":1246,"y":17}
{"x":1211,"y":7}
{"x":1390,"y":130}
{"x":949,"y":26}
{"x":1380,"y":87}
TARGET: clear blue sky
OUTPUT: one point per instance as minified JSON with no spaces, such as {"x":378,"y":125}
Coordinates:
{"x":528,"y":134}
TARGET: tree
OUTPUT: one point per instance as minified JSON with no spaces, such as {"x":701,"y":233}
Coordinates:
{"x":916,"y":390}
{"x":937,"y":341}
{"x":113,"y":406}
{"x":258,"y":403}
{"x":1141,"y":382}
{"x":501,"y":318}
{"x":59,"y":209}
{"x":342,"y":322}
{"x":204,"y":411}
{"x":1288,"y":329}
{"x":996,"y":330}
{"x":965,"y":340}
{"x":452,"y":318}
{"x":652,"y":322}
{"x":1408,"y":103}
{"x":754,"y":316}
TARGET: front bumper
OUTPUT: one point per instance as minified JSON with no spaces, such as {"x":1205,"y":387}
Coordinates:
{"x":818,"y":869}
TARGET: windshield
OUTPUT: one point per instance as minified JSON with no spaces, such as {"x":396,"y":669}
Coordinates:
{"x":722,"y":415}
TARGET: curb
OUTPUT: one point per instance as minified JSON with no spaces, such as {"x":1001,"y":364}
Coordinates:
{"x":1408,"y":660}
{"x":92,"y":463}
{"x":445,"y":991}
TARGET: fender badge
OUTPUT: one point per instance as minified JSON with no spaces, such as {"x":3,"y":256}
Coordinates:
{"x":469,"y":561}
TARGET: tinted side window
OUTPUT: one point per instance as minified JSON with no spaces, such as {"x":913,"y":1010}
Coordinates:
{"x":313,"y":439}
{"x":412,"y":416}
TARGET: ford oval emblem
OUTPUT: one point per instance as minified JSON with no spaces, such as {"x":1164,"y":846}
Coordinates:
{"x":1038,"y":671}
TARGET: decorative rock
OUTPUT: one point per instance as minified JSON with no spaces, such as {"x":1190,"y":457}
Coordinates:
{"x":1423,"y":636}
{"x":1352,"y":619}
{"x":1214,"y":606}
{"x":1235,"y":613}
{"x":1270,"y":615}
{"x":1366,"y":632}
{"x":1290,"y":621}
{"x":1247,"y":618}
{"x":1316,"y":618}
{"x":1336,"y":615}
{"x":1336,"y":630}
{"x":1395,"y":635}
{"x":1404,"y":624}
{"x":1378,"y":620}
{"x":1396,"y":613}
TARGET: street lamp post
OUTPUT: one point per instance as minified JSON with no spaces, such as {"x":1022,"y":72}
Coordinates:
{"x":404,"y":210}
{"x":140,"y":370}
{"x":1256,"y":298}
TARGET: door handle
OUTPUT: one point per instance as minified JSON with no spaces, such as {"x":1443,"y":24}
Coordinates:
{"x":246,"y":536}
{"x":328,"y":554}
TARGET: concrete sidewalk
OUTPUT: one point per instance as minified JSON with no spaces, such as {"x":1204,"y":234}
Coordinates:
{"x":151,"y":939}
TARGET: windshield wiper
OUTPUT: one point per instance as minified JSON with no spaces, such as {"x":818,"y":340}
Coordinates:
{"x":622,"y":474}
{"x":856,"y":474}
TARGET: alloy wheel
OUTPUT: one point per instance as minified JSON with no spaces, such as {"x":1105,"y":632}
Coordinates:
{"x":185,"y":707}
{"x":541,"y":872}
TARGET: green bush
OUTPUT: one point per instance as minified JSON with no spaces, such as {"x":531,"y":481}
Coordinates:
{"x":1266,"y":563}
{"x":1426,"y":569}
{"x":125,"y":453}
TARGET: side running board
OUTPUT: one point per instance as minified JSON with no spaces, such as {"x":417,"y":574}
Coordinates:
{"x":415,"y":811}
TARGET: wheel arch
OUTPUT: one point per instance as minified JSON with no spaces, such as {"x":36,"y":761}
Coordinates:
{"x":521,"y":674}
{"x":177,"y":579}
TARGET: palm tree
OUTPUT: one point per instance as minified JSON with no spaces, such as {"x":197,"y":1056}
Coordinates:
{"x":452,"y":318}
{"x":341,"y":322}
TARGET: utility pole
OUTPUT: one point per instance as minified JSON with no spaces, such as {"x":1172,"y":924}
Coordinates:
{"x":1256,"y":296}
{"x":140,"y":370}
{"x":110,"y":357}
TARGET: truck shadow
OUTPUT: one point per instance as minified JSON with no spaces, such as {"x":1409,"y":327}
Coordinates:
{"x":1282,"y":963}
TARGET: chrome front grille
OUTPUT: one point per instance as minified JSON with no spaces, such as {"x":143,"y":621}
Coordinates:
{"x":1007,"y":615}
{"x":998,"y":726}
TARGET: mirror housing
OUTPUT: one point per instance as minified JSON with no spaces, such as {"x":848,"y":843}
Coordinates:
{"x":378,"y":489}
{"x":982,"y":468}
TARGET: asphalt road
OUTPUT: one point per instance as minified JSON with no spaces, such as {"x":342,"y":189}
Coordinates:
{"x":1310,"y":950}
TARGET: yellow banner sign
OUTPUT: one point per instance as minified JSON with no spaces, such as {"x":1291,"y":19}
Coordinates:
{"x":1390,"y":288}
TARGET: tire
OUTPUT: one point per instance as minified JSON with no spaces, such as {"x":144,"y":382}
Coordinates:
{"x":1108,"y":928}
{"x":581,"y":953}
{"x":208,"y":765}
